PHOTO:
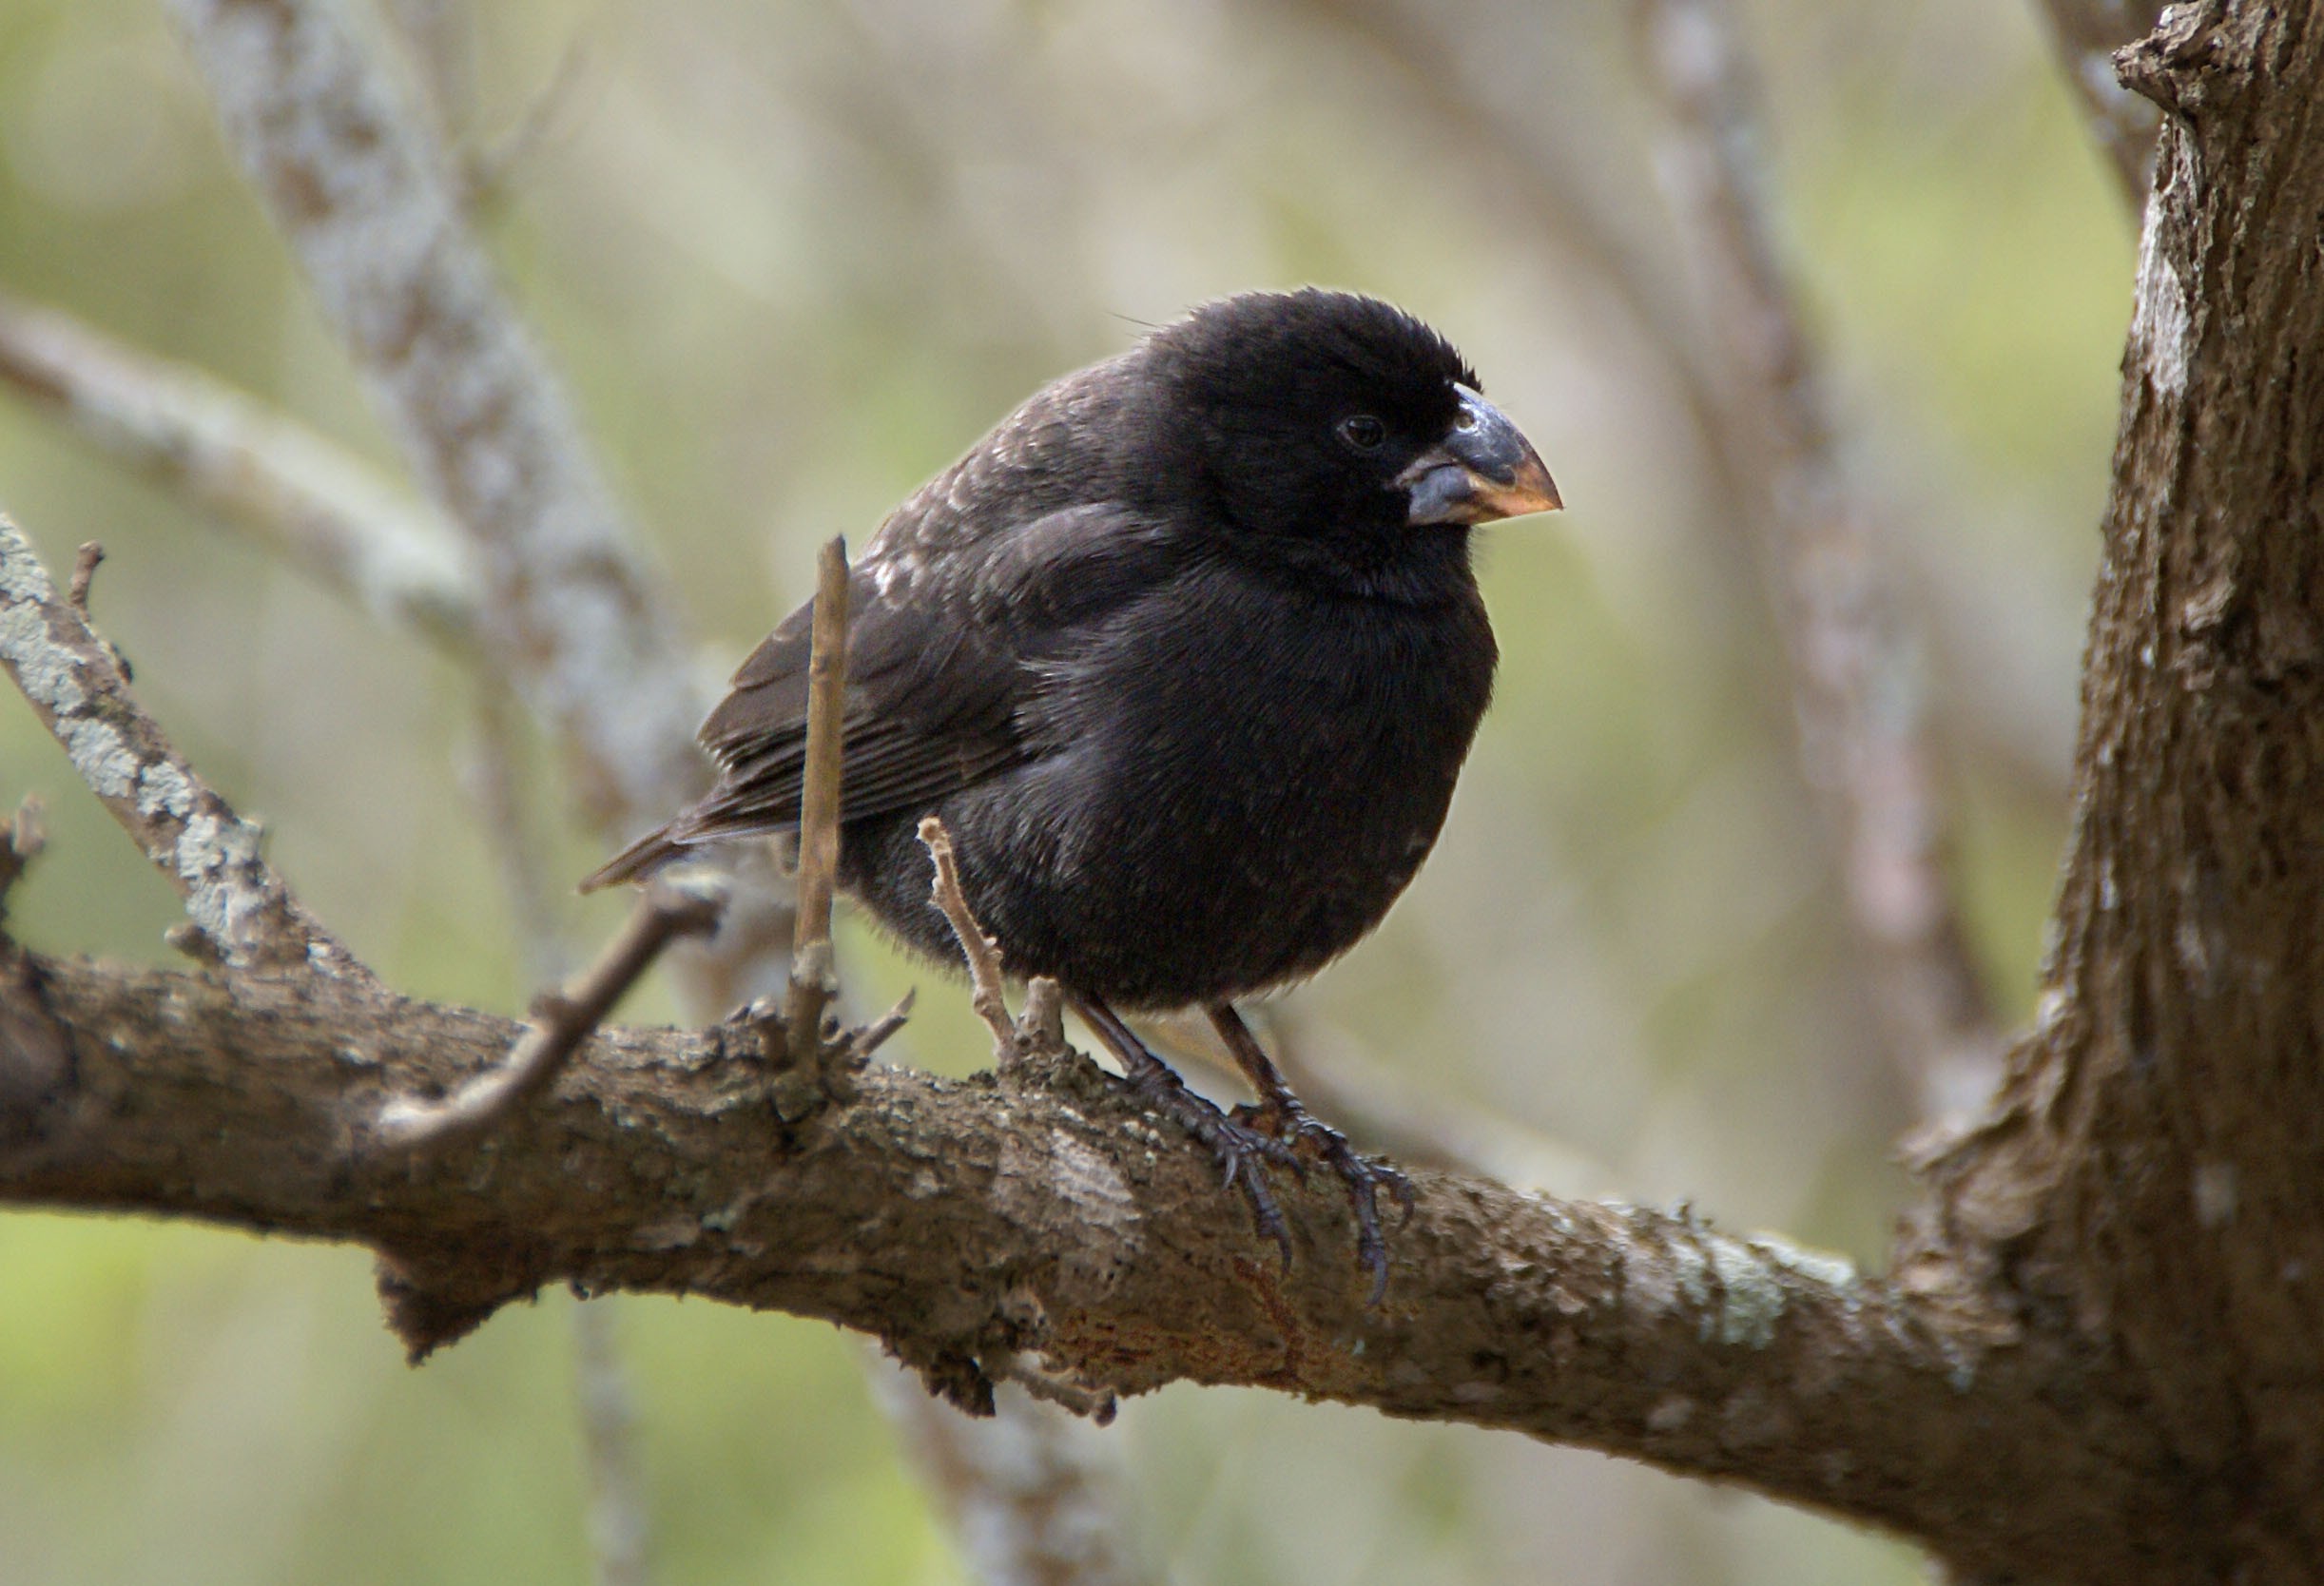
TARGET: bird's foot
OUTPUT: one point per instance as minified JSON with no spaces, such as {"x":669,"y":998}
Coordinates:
{"x":1285,"y":1122}
{"x":1242,"y":1152}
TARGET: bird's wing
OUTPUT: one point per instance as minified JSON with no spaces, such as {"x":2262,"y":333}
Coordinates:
{"x":946,"y":643}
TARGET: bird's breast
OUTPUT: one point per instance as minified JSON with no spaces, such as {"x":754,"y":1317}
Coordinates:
{"x":1249,"y":782}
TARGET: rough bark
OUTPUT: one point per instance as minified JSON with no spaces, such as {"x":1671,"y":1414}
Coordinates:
{"x":967,"y":1223}
{"x":2147,"y":1194}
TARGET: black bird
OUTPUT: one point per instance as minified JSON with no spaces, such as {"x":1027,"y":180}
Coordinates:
{"x":1186,"y":653}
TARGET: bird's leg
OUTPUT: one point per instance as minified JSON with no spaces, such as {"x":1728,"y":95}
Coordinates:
{"x":1241,"y":1150}
{"x":1281,"y":1115}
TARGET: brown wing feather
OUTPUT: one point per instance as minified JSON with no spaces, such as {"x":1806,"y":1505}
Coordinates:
{"x":971,"y":583}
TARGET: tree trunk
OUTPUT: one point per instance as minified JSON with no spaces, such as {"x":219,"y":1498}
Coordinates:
{"x":2148,"y":1199}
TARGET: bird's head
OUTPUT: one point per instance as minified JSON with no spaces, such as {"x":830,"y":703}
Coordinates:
{"x":1338,"y":431}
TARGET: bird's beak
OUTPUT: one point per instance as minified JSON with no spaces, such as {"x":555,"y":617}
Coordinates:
{"x":1484,"y":469}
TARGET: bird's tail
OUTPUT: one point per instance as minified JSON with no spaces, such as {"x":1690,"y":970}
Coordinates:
{"x":640,"y":860}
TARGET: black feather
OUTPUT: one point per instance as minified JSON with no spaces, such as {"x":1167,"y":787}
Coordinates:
{"x":1170,"y":657}
{"x":1167,"y":658}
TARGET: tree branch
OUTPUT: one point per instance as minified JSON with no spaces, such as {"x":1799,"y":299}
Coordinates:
{"x":2148,"y":1192}
{"x":958,"y":1220}
{"x":1863,"y":732}
{"x":73,"y":679}
{"x":318,"y":506}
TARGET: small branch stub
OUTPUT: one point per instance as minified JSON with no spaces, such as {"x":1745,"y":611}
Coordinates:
{"x":861,"y":1044}
{"x":84,"y":569}
{"x":1040,"y":1028}
{"x":22,"y":837}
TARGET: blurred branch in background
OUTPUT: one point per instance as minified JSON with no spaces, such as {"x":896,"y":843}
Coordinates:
{"x":1539,"y":181}
{"x":1633,"y":271}
{"x":1860,"y":699}
{"x":362,"y":192}
{"x":620,"y":1526}
{"x":254,"y":469}
{"x":1034,"y":1495}
{"x":2086,"y":34}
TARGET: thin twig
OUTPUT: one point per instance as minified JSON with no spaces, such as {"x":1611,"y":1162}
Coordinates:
{"x":561,"y":1021}
{"x":870,"y":1038}
{"x":981,"y":952}
{"x":819,"y":806}
{"x":250,"y":467}
{"x":1863,"y":735}
{"x":73,"y":678}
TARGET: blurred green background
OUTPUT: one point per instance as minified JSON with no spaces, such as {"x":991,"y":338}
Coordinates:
{"x":794,"y":257}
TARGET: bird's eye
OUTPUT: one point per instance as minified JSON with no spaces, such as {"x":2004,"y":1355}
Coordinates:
{"x":1362,"y":431}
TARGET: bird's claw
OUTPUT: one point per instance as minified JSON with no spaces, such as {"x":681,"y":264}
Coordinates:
{"x":1242,"y":1152}
{"x":1304,"y":1134}
{"x":1282,"y":1133}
